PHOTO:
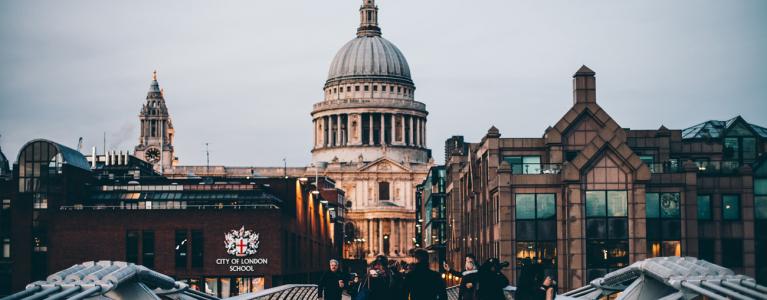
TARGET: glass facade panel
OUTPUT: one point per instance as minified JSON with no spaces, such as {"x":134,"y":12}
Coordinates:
{"x":531,"y":164}
{"x":704,"y":207}
{"x":525,"y":209}
{"x":669,"y":205}
{"x":595,"y":204}
{"x":749,"y":149}
{"x":617,"y":204}
{"x":731,"y":149}
{"x":760,"y":207}
{"x":760,"y":186}
{"x":546,"y":204}
{"x":653,"y":205}
{"x":730,"y":207}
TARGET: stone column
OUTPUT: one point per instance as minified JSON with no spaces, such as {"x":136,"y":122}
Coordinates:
{"x":380,"y":236}
{"x":423,"y":133}
{"x":369,"y":234}
{"x":400,"y":236}
{"x":417,"y":136}
{"x":349,"y":133}
{"x":402,"y":129}
{"x":391,"y":237}
{"x":325,"y":132}
{"x":339,"y":142}
{"x":383,"y":129}
{"x":392,"y":129}
{"x":410,"y":137}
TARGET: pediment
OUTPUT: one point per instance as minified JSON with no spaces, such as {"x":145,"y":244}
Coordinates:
{"x":384,"y":164}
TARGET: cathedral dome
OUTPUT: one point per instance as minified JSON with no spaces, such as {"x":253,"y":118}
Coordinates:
{"x":369,"y":57}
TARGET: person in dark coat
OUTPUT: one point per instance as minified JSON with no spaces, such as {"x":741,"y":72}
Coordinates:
{"x":491,"y":281}
{"x":533,"y":284}
{"x":421,"y":283}
{"x":380,"y":283}
{"x":332,"y":283}
{"x":467,"y":289}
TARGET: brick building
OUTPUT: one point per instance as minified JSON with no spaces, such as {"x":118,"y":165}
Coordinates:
{"x":223,"y":235}
{"x":589,"y":196}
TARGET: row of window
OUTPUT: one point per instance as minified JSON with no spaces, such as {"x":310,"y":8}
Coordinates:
{"x":189,"y":245}
{"x":366,"y":88}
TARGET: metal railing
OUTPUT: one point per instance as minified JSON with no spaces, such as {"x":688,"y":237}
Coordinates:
{"x":288,"y":291}
{"x":534,"y":169}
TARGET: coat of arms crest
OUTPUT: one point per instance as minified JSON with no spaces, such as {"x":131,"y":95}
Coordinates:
{"x":241,"y":242}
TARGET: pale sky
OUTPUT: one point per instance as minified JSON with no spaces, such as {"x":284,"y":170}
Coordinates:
{"x":243,"y":75}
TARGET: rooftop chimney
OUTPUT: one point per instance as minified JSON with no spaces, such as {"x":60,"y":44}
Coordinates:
{"x":584,"y":86}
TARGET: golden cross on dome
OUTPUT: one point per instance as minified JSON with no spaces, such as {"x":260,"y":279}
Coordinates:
{"x":154,"y":75}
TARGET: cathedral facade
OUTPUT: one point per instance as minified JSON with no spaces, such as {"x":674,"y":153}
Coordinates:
{"x":370,"y":137}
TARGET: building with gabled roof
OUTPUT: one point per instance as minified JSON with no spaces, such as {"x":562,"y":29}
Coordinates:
{"x":590,"y":197}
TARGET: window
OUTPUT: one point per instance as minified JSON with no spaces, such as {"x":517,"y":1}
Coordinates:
{"x":147,"y":248}
{"x":367,"y":88}
{"x":730,"y":207}
{"x":706,"y":249}
{"x":198,"y":244}
{"x":181,"y":248}
{"x":356,"y":88}
{"x":649,"y":160}
{"x":524,"y":164}
{"x":6,"y":248}
{"x":760,"y":198}
{"x":606,"y":231}
{"x":6,"y":203}
{"x":731,"y":149}
{"x":663,"y":224}
{"x":704,"y":207}
{"x":131,"y":246}
{"x":732,"y":253}
{"x":383,"y":191}
{"x":536,"y":229}
{"x":348,"y":88}
{"x":375,"y":88}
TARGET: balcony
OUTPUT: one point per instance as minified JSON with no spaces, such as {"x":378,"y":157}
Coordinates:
{"x":535,"y":169}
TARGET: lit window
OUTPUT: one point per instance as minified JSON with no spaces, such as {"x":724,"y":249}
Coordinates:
{"x":730,"y":207}
{"x":6,"y":203}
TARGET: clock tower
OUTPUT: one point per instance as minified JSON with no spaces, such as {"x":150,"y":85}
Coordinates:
{"x":156,"y":137}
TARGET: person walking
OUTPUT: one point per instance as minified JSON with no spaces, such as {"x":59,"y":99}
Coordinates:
{"x":379,"y":282}
{"x":467,"y":289}
{"x":491,"y":281}
{"x":421,"y":283}
{"x":533,"y":284}
{"x":332,"y":283}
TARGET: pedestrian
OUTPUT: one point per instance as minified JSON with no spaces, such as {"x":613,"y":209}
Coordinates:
{"x":421,"y":283}
{"x":467,"y":289}
{"x":332,"y":283}
{"x":379,"y":282}
{"x":491,"y":281}
{"x":533,"y":284}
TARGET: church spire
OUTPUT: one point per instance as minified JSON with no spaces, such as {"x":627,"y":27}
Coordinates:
{"x":154,"y":87}
{"x":368,"y":19}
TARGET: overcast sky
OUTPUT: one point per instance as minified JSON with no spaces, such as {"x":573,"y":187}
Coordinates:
{"x":243,"y":75}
